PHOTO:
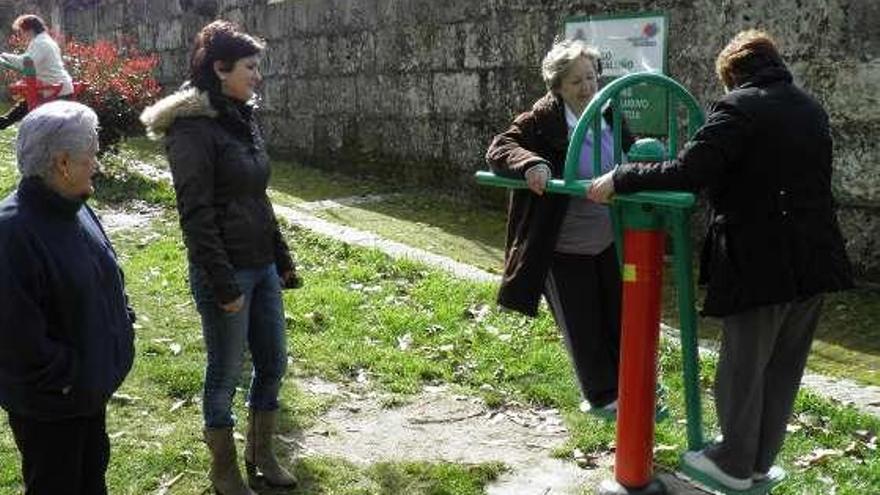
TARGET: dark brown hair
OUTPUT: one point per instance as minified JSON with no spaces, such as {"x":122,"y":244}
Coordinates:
{"x":747,"y":53}
{"x":29,"y":22}
{"x":220,"y":41}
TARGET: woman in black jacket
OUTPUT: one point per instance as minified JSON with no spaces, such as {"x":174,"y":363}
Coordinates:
{"x":238,"y":259}
{"x":773,"y":246}
{"x":559,"y":246}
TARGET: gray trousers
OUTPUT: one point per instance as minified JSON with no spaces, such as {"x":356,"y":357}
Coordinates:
{"x":763,"y":354}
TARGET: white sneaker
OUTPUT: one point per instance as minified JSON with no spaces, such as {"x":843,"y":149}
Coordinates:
{"x":699,"y":462}
{"x":607,"y":412}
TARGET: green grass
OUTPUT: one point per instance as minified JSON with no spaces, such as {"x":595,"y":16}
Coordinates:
{"x":293,"y":183}
{"x":474,"y":235}
{"x":346,"y":320}
{"x":8,"y":170}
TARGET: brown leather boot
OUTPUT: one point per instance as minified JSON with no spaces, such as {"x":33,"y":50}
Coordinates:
{"x":259,"y":457}
{"x":225,"y":476}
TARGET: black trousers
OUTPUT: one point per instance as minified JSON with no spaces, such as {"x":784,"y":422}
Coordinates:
{"x":67,"y":456}
{"x":584,"y":293}
{"x":16,"y":113}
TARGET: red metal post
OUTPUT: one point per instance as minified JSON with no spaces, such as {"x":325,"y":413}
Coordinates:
{"x":642,"y":279}
{"x":31,"y":94}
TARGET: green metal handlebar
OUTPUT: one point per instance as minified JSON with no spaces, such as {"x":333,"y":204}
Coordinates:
{"x":26,"y":69}
{"x":674,"y":199}
{"x":574,"y":188}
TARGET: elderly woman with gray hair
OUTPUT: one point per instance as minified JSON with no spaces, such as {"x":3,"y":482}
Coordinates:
{"x":66,"y":338}
{"x":559,"y":246}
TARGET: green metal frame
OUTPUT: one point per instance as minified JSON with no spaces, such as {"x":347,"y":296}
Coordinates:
{"x":668,"y":210}
{"x":27,"y":70}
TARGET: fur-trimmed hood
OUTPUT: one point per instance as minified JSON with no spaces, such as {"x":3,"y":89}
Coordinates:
{"x":187,"y":102}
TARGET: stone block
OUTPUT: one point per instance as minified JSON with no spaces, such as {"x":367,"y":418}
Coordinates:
{"x":300,"y":132}
{"x":863,"y":30}
{"x":289,"y":134}
{"x":305,"y":96}
{"x":155,"y":10}
{"x":170,"y":36}
{"x":369,"y":136}
{"x":359,"y":15}
{"x":413,"y":94}
{"x":428,"y":139}
{"x":349,"y":53}
{"x":856,"y":91}
{"x":340,"y":94}
{"x":146,"y":34}
{"x":329,"y":134}
{"x":511,"y":91}
{"x":394,"y":95}
{"x":275,"y":20}
{"x":317,"y":16}
{"x":456,"y":11}
{"x":490,"y":44}
{"x":457,"y":93}
{"x":391,"y":13}
{"x":303,"y":57}
{"x":856,"y":175}
{"x":403,"y":49}
{"x":375,"y":95}
{"x":447,"y":52}
{"x":224,"y":6}
{"x":237,"y":15}
{"x":276,"y":59}
{"x":274,"y":94}
{"x":466,"y":145}
{"x":173,"y":67}
{"x":861,"y":231}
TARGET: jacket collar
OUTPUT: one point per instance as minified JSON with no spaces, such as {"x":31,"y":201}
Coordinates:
{"x":551,"y":105}
{"x":767,"y":76}
{"x":189,"y":101}
{"x":34,"y":192}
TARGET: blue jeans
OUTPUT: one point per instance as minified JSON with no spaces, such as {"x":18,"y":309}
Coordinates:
{"x":259,"y":324}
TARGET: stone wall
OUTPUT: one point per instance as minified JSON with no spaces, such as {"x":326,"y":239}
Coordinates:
{"x":415,"y":89}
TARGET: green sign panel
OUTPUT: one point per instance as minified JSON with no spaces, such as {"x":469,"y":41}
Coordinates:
{"x":644,"y":108}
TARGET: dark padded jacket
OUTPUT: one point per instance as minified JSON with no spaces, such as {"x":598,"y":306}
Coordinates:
{"x":221,"y":171}
{"x":533,"y":222}
{"x":66,"y":338}
{"x":764,"y":156}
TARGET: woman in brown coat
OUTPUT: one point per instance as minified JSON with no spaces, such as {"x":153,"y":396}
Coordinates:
{"x":559,"y":246}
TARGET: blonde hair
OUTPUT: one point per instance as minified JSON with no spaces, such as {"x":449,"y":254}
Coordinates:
{"x":560,"y":58}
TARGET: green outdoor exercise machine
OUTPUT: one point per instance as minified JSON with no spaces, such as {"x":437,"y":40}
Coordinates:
{"x":641,"y":222}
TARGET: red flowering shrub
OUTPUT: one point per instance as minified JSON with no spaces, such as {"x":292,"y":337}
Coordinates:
{"x":119,"y":79}
{"x":120,"y":84}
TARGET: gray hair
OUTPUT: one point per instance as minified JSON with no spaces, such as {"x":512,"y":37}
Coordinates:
{"x":560,"y":58}
{"x":51,"y":129}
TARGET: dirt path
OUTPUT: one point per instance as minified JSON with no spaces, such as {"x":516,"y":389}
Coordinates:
{"x":441,"y":425}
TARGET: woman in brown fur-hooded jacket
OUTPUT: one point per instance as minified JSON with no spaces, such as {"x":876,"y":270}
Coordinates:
{"x":238,"y":259}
